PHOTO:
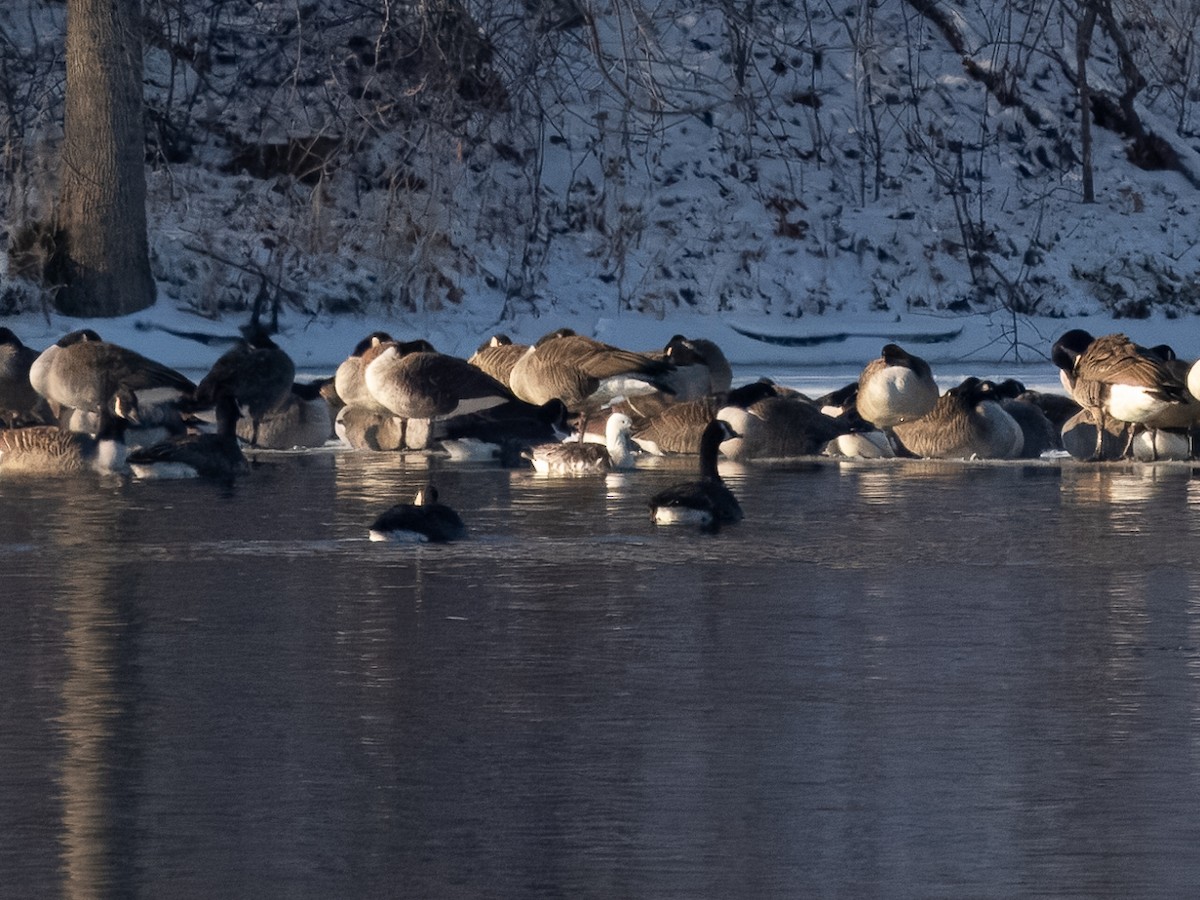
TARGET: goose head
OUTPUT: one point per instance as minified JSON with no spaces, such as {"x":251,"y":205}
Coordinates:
{"x":374,"y":339}
{"x":1067,"y":349}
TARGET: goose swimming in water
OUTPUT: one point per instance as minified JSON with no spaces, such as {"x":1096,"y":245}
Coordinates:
{"x":422,"y":521}
{"x":201,"y":455}
{"x":707,"y":502}
{"x":50,"y":450}
{"x":585,"y":457}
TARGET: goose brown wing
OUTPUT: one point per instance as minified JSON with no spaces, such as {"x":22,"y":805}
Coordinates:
{"x":677,"y":428}
{"x":1114,"y":359}
{"x":114,"y":366}
{"x":610,"y":362}
{"x":498,"y":360}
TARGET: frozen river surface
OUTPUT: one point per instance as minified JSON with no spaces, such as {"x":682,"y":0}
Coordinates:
{"x":900,"y":679}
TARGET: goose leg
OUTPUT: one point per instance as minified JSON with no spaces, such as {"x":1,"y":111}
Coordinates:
{"x":1098,"y":419}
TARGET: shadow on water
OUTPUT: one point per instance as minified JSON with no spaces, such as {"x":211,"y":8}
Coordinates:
{"x":900,"y":679}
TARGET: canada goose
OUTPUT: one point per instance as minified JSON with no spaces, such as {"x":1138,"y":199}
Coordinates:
{"x":586,"y":458}
{"x":348,"y":379}
{"x":39,"y":369}
{"x":502,"y":432}
{"x":1058,"y":408}
{"x":1177,"y":420}
{"x":255,"y":371}
{"x":365,"y":429}
{"x":865,"y":441}
{"x":965,"y":423}
{"x":19,"y":402}
{"x":49,"y":450}
{"x":700,"y":367}
{"x":159,"y":418}
{"x":422,"y":521}
{"x":415,"y":382}
{"x":81,"y":371}
{"x":574,"y":369}
{"x":1038,"y":434}
{"x":779,"y":427}
{"x":301,"y":420}
{"x":707,"y":502}
{"x":497,"y":357}
{"x":1078,"y":438}
{"x":1111,"y":377}
{"x":678,"y":427}
{"x":202,"y":455}
{"x":1160,"y":444}
{"x":896,"y":387}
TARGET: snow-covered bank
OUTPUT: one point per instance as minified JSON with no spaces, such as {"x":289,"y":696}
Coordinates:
{"x":319,"y":344}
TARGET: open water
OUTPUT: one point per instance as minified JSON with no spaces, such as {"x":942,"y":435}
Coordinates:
{"x":894,"y":679}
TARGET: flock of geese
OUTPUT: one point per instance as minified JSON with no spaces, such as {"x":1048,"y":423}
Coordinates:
{"x":567,"y":405}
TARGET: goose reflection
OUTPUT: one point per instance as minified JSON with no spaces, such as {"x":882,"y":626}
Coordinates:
{"x":1121,"y":486}
{"x":100,"y":771}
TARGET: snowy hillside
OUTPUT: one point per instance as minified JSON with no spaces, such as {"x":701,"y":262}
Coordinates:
{"x":465,"y":169}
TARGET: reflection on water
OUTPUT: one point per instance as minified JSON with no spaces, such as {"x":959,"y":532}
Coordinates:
{"x":894,"y":678}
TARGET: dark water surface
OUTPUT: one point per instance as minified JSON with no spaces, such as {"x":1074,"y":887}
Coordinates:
{"x":896,"y":679}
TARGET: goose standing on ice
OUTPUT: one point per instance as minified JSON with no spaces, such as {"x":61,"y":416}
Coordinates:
{"x":302,"y":420}
{"x":256,"y":371}
{"x":707,"y":502}
{"x":19,"y":402}
{"x":1113,"y":378}
{"x":866,"y":441}
{"x":348,"y":378}
{"x":420,"y":385}
{"x":1039,"y":434}
{"x":414,"y":381}
{"x":83,"y":372}
{"x":701,"y":368}
{"x":422,"y":521}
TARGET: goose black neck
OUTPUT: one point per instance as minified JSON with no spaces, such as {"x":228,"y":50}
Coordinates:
{"x":710,"y":446}
{"x":111,"y":426}
{"x":227,"y":413}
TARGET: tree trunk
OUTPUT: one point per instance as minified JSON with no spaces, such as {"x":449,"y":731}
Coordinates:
{"x":1083,"y":50}
{"x":102,"y":203}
